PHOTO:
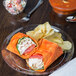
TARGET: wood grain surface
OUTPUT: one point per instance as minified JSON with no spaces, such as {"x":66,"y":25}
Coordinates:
{"x":9,"y":23}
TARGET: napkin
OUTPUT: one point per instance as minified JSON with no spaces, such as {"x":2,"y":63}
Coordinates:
{"x":69,"y":69}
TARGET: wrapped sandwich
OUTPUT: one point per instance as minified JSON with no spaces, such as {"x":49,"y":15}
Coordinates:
{"x":47,"y":53}
{"x":22,"y":45}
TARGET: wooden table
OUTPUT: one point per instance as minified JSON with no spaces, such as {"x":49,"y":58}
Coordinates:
{"x":9,"y":23}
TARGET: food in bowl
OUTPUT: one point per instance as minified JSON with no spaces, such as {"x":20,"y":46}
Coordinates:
{"x":14,"y":6}
{"x":43,"y":52}
{"x":63,"y":6}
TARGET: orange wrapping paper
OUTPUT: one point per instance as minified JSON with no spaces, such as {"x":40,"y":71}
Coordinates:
{"x":50,"y":52}
{"x":13,"y":42}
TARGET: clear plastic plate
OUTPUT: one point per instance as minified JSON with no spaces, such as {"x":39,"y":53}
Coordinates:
{"x":20,"y":65}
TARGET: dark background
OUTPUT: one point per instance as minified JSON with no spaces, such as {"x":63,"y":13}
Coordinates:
{"x":9,"y":23}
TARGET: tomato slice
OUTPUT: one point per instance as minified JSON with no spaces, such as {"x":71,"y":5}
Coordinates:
{"x":39,"y":56}
{"x":29,"y":49}
{"x":9,"y":5}
{"x":18,"y":1}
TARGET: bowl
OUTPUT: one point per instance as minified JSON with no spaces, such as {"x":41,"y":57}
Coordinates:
{"x":19,"y":64}
{"x":63,"y":7}
{"x":14,"y":7}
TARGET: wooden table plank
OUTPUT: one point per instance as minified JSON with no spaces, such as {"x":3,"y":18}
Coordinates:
{"x":44,"y":13}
